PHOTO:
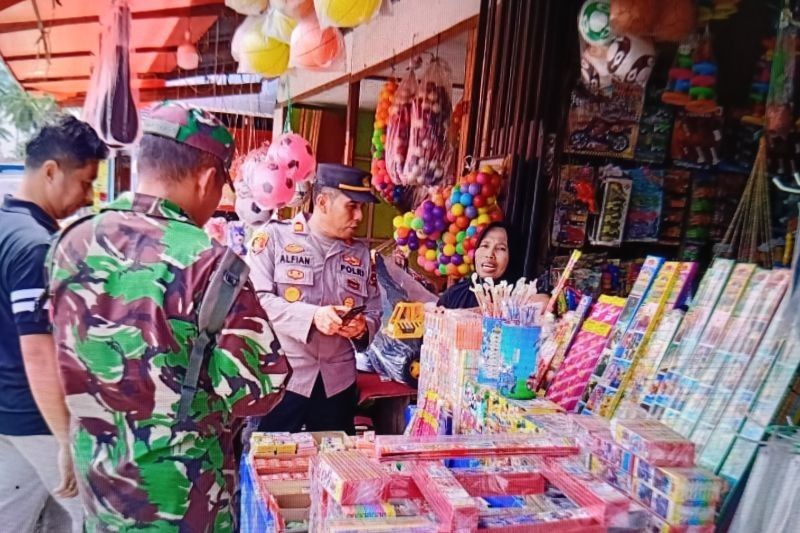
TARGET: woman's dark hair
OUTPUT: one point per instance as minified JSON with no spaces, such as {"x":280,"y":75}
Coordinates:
{"x":67,"y":140}
{"x":513,"y":270}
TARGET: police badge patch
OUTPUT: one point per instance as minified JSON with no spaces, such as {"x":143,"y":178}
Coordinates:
{"x":259,"y":242}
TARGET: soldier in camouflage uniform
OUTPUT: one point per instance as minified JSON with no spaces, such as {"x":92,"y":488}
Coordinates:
{"x":125,"y":288}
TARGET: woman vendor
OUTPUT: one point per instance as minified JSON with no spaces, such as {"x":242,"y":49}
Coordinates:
{"x":492,"y":260}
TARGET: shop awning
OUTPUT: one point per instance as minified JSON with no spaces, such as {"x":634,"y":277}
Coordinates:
{"x":72,"y":30}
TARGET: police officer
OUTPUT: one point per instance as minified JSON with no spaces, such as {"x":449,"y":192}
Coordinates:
{"x":309,"y":272}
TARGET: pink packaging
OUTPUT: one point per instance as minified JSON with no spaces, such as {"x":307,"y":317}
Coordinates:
{"x":351,"y":478}
{"x":574,"y":373}
{"x":654,"y":442}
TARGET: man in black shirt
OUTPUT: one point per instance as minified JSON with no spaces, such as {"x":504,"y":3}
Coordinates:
{"x":35,"y":461}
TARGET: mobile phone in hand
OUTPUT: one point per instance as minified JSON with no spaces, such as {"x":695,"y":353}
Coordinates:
{"x":352,"y":313}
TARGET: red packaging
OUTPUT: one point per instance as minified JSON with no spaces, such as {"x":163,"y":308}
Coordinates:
{"x":519,"y":481}
{"x":455,"y":509}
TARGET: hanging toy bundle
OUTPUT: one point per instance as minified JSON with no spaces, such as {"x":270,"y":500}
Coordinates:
{"x":380,"y":175}
{"x":429,"y":150}
{"x":399,"y":126}
{"x":703,"y":90}
{"x":760,"y":86}
{"x":779,"y":109}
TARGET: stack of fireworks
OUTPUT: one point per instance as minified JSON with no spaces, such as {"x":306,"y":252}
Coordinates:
{"x":655,"y":466}
{"x":484,"y":410}
{"x":448,"y":359}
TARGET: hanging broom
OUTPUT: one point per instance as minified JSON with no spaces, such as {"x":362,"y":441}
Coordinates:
{"x":749,"y":236}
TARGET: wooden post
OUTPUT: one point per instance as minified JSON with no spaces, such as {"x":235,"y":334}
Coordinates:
{"x":353,"y":96}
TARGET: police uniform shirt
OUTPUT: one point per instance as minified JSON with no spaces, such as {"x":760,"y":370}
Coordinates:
{"x":25,"y":232}
{"x":295,"y":272}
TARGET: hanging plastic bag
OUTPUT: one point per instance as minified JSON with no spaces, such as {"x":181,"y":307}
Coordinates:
{"x":429,"y":150}
{"x":279,"y":26}
{"x":398,"y":129}
{"x":346,"y":13}
{"x":118,"y":117}
{"x":315,"y":48}
{"x":392,"y":358}
{"x":780,"y":115}
{"x":247,"y":7}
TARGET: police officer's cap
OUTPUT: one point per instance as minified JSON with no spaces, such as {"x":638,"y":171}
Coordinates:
{"x":354,"y":183}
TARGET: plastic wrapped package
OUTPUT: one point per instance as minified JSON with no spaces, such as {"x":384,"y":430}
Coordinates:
{"x":412,"y":524}
{"x":398,"y":447}
{"x":398,"y":129}
{"x":653,"y":442}
{"x":429,"y":149}
{"x":455,"y":509}
{"x":607,"y":505}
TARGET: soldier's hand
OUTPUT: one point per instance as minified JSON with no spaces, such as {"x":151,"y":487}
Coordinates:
{"x":327,"y":320}
{"x":68,"y":488}
{"x":355,"y":328}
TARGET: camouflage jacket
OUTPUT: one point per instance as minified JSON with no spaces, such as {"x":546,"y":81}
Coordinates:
{"x":125,"y":287}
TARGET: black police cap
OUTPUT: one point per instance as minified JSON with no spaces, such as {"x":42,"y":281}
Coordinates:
{"x":353,"y":182}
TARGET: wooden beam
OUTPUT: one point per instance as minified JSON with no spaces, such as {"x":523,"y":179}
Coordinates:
{"x":47,"y":80}
{"x":175,"y":93}
{"x":203,"y":10}
{"x":353,"y":97}
{"x":5,"y":4}
{"x":58,"y":55}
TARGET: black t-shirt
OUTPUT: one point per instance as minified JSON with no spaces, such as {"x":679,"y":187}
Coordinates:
{"x":25,"y":232}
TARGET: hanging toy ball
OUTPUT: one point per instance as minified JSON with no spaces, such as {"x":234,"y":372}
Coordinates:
{"x":294,"y":152}
{"x":271,"y":187}
{"x":594,"y":24}
{"x":676,"y":20}
{"x":314,"y":48}
{"x":594,"y":68}
{"x":634,"y":17}
{"x":296,"y":9}
{"x":346,"y":13}
{"x":247,"y":7}
{"x":631,"y":59}
{"x":262,"y":55}
{"x":279,"y":26}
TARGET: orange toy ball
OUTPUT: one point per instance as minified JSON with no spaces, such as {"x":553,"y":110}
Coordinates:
{"x":296,"y":9}
{"x":314,"y":48}
{"x":635,"y":17}
{"x":675,"y":21}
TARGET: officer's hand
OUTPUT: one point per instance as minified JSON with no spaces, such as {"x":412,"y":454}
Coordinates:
{"x":327,"y":320}
{"x":355,"y":328}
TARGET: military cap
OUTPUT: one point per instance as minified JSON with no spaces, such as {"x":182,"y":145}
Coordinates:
{"x":354,"y":183}
{"x":191,"y":126}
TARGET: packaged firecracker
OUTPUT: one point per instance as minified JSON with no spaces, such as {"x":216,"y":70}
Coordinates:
{"x":398,"y":128}
{"x":653,"y":442}
{"x":429,"y":150}
{"x":350,"y":478}
{"x":605,"y":502}
{"x":455,"y":509}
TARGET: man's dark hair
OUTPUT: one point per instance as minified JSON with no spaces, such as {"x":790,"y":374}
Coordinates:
{"x":171,"y":160}
{"x":68,"y":141}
